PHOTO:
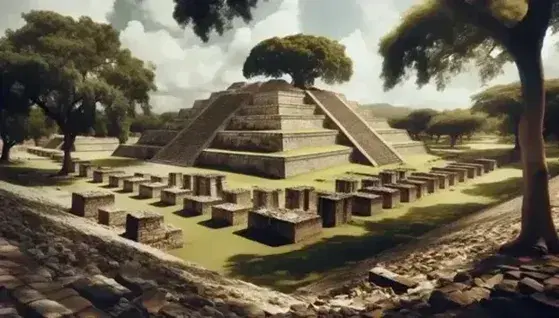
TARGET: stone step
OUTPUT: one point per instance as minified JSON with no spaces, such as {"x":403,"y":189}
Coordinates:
{"x":276,"y":165}
{"x":394,"y":135}
{"x":379,"y":124}
{"x":275,"y":122}
{"x":143,"y":152}
{"x":279,"y":97}
{"x":409,"y":148}
{"x":278,"y":109}
{"x":273,"y":140}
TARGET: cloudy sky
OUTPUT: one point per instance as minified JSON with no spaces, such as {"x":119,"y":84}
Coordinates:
{"x":188,"y":69}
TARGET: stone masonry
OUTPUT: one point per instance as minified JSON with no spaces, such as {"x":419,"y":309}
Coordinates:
{"x":292,"y":226}
{"x":301,"y":198}
{"x":87,"y":203}
{"x":335,"y":209}
{"x":268,"y":198}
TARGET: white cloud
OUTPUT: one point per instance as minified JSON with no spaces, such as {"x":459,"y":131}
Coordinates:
{"x":188,"y":69}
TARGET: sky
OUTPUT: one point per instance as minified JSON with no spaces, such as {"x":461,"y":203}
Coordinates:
{"x":188,"y":69}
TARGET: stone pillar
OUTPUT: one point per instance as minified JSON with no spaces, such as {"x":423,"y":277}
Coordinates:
{"x":388,"y":176}
{"x":175,"y":179}
{"x":300,"y":198}
{"x":238,"y":196}
{"x":210,"y":185}
{"x":370,"y":182}
{"x":187,"y":181}
{"x":267,"y":198}
{"x":335,"y":209}
{"x":347,"y":185}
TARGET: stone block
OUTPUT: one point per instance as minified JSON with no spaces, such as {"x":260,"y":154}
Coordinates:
{"x":402,"y":173}
{"x":238,"y":196}
{"x":370,"y":182}
{"x":479,"y":168}
{"x":488,"y":164}
{"x":432,"y":182}
{"x":420,"y":187}
{"x":132,"y":185}
{"x":145,"y":227}
{"x":112,"y":216}
{"x":384,"y":278}
{"x":75,"y":167}
{"x":85,"y":170}
{"x":87,"y":203}
{"x":443,"y":179}
{"x":174,"y":237}
{"x":47,"y":308}
{"x":230,"y":214}
{"x":159,"y":179}
{"x":199,"y":205}
{"x":471,"y":170}
{"x":292,"y":225}
{"x":208,"y":185}
{"x":408,"y":192}
{"x":102,"y":291}
{"x":461,"y":173}
{"x":335,"y":209}
{"x":143,"y":175}
{"x":101,"y":175}
{"x":366,"y":204}
{"x":152,"y":190}
{"x":187,"y":181}
{"x":388,"y":176}
{"x":452,"y":176}
{"x":175,"y":179}
{"x":300,"y":198}
{"x":76,"y":304}
{"x":174,"y":196}
{"x":346,"y":185}
{"x":117,"y":180}
{"x":390,"y":196}
{"x":268,"y":198}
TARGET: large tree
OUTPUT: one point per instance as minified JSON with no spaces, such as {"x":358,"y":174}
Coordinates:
{"x":441,"y":38}
{"x":415,"y":123}
{"x":303,"y":57}
{"x":69,"y":68}
{"x":455,"y":124}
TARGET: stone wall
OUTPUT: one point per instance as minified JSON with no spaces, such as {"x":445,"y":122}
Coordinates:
{"x":142,"y":152}
{"x":281,"y":97}
{"x":270,"y":166}
{"x":274,"y":122}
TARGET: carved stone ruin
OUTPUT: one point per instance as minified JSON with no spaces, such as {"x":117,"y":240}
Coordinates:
{"x":230,"y":214}
{"x":208,"y":185}
{"x":479,"y":168}
{"x":443,"y":179}
{"x":471,"y":170}
{"x":145,"y":227}
{"x":86,"y":170}
{"x":346,"y":185}
{"x":390,"y":196}
{"x":267,"y":198}
{"x":112,"y":216}
{"x":187,"y":181}
{"x":238,"y":196}
{"x":175,"y":179}
{"x":174,"y":196}
{"x":160,"y":179}
{"x":87,"y":203}
{"x":75,"y":167}
{"x":370,"y":182}
{"x":408,"y":192}
{"x":420,"y":187}
{"x":101,"y":175}
{"x":132,"y":185}
{"x":198,"y":204}
{"x":366,"y":204}
{"x":335,"y":208}
{"x":117,"y":180}
{"x":174,"y":237}
{"x":301,"y":198}
{"x":461,"y":173}
{"x":152,"y":190}
{"x":432,"y":182}
{"x":293,"y":226}
{"x":451,"y":176}
{"x":388,"y":176}
{"x":402,"y":173}
{"x":488,"y":164}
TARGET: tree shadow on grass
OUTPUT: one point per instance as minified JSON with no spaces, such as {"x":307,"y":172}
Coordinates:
{"x":294,"y":269}
{"x":32,"y":177}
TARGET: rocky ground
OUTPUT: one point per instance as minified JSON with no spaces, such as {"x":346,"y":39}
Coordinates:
{"x":53,"y":262}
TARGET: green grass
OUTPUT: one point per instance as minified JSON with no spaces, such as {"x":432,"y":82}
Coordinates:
{"x":289,"y":267}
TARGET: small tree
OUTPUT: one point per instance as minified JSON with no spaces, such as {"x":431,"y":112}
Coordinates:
{"x":38,"y":125}
{"x":303,"y":57}
{"x":70,"y":67}
{"x":455,"y":124}
{"x":12,"y":131}
{"x":415,"y":122}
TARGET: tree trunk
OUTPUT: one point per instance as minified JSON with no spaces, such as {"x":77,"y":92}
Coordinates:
{"x":6,"y":147}
{"x":453,"y":140}
{"x":516,"y":142}
{"x":67,"y":148}
{"x":537,"y":222}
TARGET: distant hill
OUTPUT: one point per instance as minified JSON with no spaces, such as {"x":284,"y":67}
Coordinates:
{"x":387,"y":111}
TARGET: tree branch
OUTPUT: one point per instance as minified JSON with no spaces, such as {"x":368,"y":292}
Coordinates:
{"x":479,"y":16}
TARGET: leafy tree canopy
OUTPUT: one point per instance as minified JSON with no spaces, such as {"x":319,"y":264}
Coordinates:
{"x":415,"y":122}
{"x":208,"y":16}
{"x":70,"y":67}
{"x":455,"y":124}
{"x":303,"y":57}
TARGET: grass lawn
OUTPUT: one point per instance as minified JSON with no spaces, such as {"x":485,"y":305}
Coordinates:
{"x":288,"y":267}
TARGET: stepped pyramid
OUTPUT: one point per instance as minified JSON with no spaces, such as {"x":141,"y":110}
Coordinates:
{"x":268,"y":129}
